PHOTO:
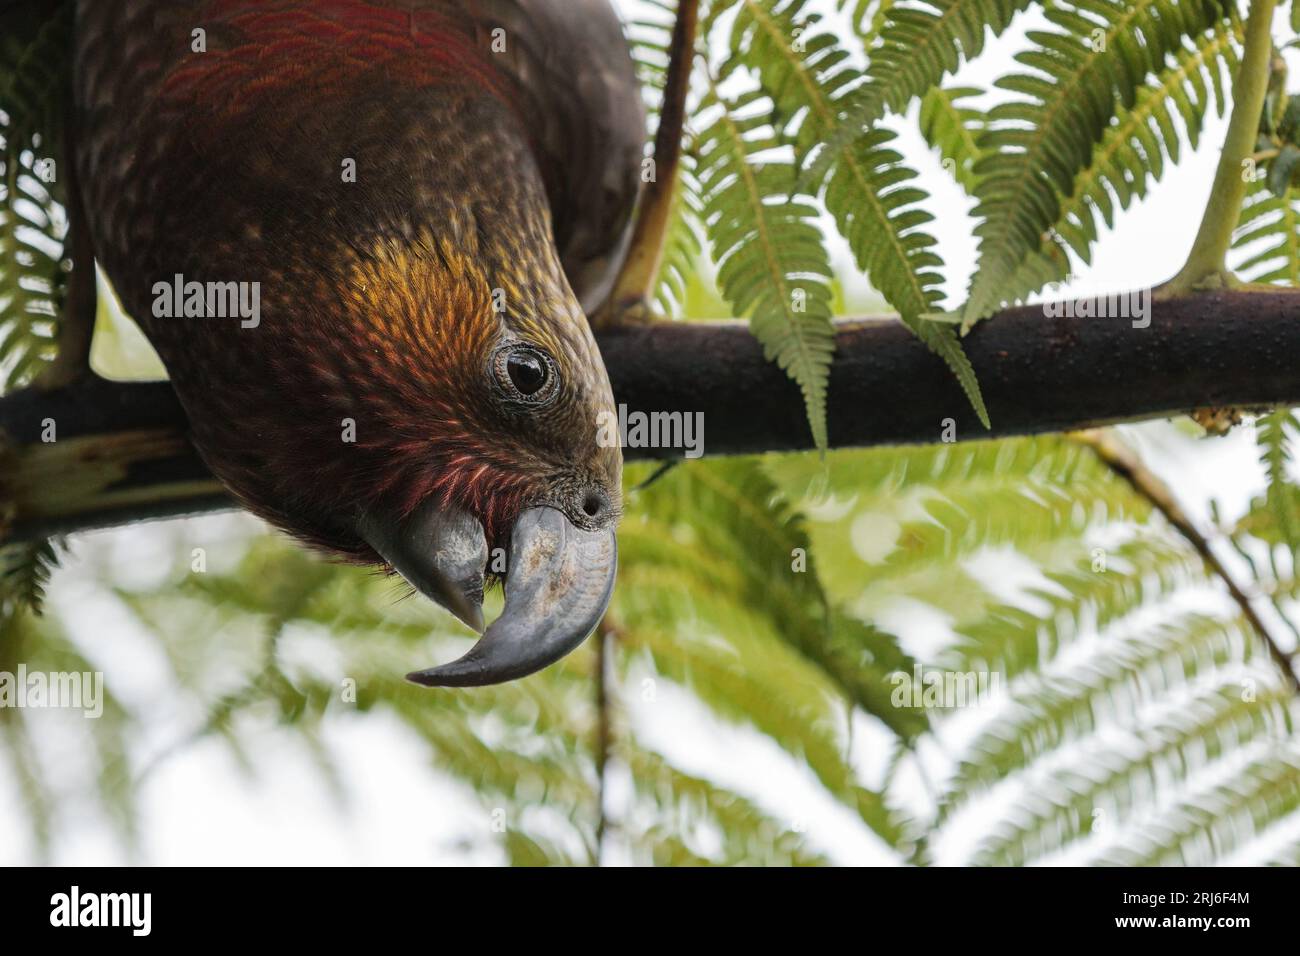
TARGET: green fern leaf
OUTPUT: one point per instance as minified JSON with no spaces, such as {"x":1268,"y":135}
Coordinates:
{"x":34,"y":42}
{"x":910,"y":50}
{"x":25,"y":569}
{"x":1133,"y":154}
{"x":871,"y":193}
{"x":772,"y":264}
{"x":952,"y":130}
{"x":1275,"y":433}
{"x":1084,"y":72}
{"x":1266,"y":245}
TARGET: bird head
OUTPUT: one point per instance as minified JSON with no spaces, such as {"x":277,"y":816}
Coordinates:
{"x":432,"y":403}
{"x":421,"y":391}
{"x":485,"y":392}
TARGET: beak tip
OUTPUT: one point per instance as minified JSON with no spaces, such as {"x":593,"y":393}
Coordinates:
{"x":471,"y":615}
{"x":423,"y":678}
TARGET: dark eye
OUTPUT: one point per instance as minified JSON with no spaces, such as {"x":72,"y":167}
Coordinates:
{"x":526,"y":373}
{"x":526,"y":370}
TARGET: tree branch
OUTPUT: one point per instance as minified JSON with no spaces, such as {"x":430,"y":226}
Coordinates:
{"x":635,"y":282}
{"x":1125,"y":462}
{"x":122,"y":454}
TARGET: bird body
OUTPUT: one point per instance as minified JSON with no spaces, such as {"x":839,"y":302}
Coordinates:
{"x":424,"y":194}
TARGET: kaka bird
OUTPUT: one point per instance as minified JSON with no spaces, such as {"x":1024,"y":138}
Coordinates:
{"x":425,"y":197}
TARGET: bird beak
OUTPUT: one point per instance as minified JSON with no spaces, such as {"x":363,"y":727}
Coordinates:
{"x":441,"y":553}
{"x":558,"y":583}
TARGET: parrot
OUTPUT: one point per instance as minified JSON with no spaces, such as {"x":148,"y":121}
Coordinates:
{"x":423,"y":200}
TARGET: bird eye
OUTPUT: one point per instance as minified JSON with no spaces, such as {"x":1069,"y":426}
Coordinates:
{"x":526,"y":370}
{"x":527,"y":373}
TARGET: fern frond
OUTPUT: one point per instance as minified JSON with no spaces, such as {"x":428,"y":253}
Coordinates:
{"x":1085,"y":71}
{"x":34,"y":69}
{"x":1266,"y":244}
{"x":772,"y":264}
{"x":683,"y":802}
{"x":1275,"y":433}
{"x":1073,"y":700}
{"x":25,"y":569}
{"x":922,"y":43}
{"x":683,"y":240}
{"x":1014,"y":640}
{"x":909,"y":50}
{"x":871,"y":193}
{"x":33,"y":269}
{"x":35,"y":44}
{"x":952,"y":130}
{"x":1064,"y":804}
{"x":1214,"y":821}
{"x":868,"y":17}
{"x":770,"y":570}
{"x":1133,"y":153}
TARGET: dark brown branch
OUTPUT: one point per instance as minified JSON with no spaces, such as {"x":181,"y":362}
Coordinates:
{"x":122,"y":454}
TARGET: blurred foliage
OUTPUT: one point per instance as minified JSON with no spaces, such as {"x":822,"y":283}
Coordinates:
{"x":1132,"y":717}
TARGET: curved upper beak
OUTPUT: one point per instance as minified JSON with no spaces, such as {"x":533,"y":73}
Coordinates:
{"x":559,"y":581}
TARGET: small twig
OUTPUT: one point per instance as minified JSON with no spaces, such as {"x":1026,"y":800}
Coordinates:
{"x":1126,"y":464}
{"x":658,"y":473}
{"x":635,"y":283}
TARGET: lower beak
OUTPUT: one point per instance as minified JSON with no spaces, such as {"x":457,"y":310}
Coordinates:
{"x":440,"y":552}
{"x":558,"y":584}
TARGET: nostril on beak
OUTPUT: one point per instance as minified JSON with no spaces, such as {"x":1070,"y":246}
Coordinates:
{"x":593,"y":504}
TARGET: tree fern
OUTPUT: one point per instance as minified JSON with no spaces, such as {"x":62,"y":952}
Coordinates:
{"x":952,"y":129}
{"x":1276,"y":434}
{"x":683,"y":241}
{"x":1092,"y":656}
{"x":1035,"y":147}
{"x":1133,"y":151}
{"x":921,"y":44}
{"x":650,"y":42}
{"x":772,"y":264}
{"x":1266,"y":245}
{"x":34,"y":42}
{"x":910,"y":49}
{"x":871,"y":193}
{"x":1214,"y":821}
{"x":1067,"y":802}
{"x":1071,"y":699}
{"x":33,"y":50}
{"x":25,"y":569}
{"x":1140,"y":572}
{"x":32,"y":268}
{"x":768,"y":558}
